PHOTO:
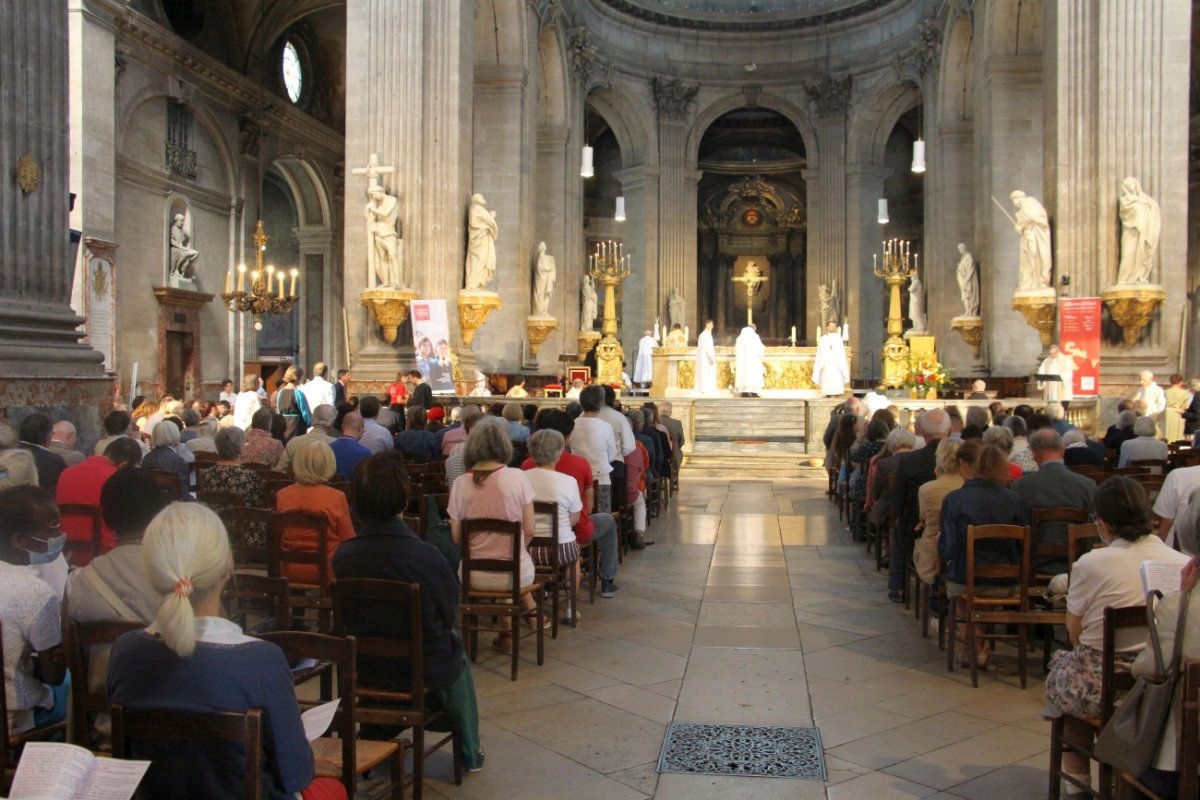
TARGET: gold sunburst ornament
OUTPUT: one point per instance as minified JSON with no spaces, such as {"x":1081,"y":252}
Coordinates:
{"x":29,"y":174}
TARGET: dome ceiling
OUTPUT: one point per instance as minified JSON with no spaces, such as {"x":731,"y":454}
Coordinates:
{"x":743,"y":15}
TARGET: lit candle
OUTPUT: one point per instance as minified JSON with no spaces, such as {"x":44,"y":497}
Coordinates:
{"x":254,"y":280}
{"x":874,"y":260}
{"x":295,"y":273}
{"x":687,"y":333}
{"x":793,"y":336}
{"x":281,"y":287}
{"x":241,"y":277}
{"x":229,"y":282}
{"x":270,"y":277}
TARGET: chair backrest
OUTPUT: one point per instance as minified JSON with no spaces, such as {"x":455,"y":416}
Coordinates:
{"x":216,"y":500}
{"x":1086,"y":469}
{"x":81,"y":638}
{"x":248,"y":590}
{"x":1151,"y":482}
{"x":273,"y":486}
{"x":1080,"y":540}
{"x":1052,"y":523}
{"x":1131,"y":471}
{"x":340,"y":652}
{"x":168,"y":481}
{"x":207,"y":458}
{"x":426,"y":504}
{"x":470,"y":564}
{"x":1154,"y":465}
{"x":1113,"y":682}
{"x":193,"y":727}
{"x":240,"y":521}
{"x":1017,"y":574}
{"x":542,"y":508}
{"x":281,"y":555}
{"x":92,"y":515}
{"x":402,"y":641}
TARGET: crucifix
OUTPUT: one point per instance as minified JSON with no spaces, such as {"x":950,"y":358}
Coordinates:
{"x":373,"y":169}
{"x":383,"y":239}
{"x":753,"y":279}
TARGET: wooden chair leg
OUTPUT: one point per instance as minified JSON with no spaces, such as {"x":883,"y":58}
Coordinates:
{"x":593,"y":574}
{"x":1056,"y":753}
{"x":951,"y":633}
{"x":573,"y":590}
{"x":418,"y":770}
{"x":398,"y":774}
{"x":554,"y":586}
{"x":1023,"y":656}
{"x":516,"y":641}
{"x":972,"y":658}
{"x":541,"y":638}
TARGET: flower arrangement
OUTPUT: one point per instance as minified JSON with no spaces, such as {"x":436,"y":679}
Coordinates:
{"x":925,"y":374}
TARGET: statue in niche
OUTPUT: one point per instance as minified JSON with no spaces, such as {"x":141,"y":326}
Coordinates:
{"x":481,"y":244}
{"x":916,"y":303}
{"x":383,"y":237}
{"x":545,"y":273}
{"x":587,"y":310}
{"x":968,"y":281}
{"x":183,"y":257}
{"x":1033,"y":224}
{"x":675,"y":310}
{"x":1141,"y":225}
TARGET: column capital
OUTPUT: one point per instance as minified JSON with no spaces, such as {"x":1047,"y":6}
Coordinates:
{"x":868,"y":172}
{"x":636,"y":177}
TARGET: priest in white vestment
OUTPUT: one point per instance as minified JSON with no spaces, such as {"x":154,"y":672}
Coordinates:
{"x":1062,"y":365}
{"x":831,"y":370}
{"x":749,"y":352}
{"x":643,"y":367}
{"x":706,"y":361}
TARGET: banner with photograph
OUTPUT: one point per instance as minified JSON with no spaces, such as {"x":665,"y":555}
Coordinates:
{"x":1079,"y":337}
{"x":431,"y":339}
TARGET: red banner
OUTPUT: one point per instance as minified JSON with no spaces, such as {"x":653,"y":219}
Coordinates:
{"x":1079,"y":337}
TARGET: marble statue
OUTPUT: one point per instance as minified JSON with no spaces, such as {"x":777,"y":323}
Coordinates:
{"x":968,"y":281}
{"x":835,"y":303}
{"x":183,"y":257}
{"x":916,"y":303}
{"x":587,"y":310}
{"x":1033,"y":224}
{"x":481,"y":244}
{"x":544,"y":275}
{"x":383,"y":238}
{"x":1141,"y":224}
{"x":675,"y":306}
{"x":824,"y":304}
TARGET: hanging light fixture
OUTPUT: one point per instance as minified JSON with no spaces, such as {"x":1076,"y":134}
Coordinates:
{"x":918,"y":161}
{"x":620,"y":215}
{"x":883,"y":212}
{"x":586,"y":169}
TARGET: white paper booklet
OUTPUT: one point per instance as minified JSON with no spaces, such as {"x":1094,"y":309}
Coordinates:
{"x":1161,"y":575}
{"x":57,"y":771}
{"x":317,"y":719}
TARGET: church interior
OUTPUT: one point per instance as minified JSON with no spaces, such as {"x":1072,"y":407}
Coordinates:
{"x":794,"y":240}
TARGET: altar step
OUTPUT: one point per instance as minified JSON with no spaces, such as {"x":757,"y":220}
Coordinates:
{"x":750,"y":420}
{"x":763,"y":460}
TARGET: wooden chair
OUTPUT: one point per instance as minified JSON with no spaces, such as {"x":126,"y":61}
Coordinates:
{"x":90,"y":549}
{"x":206,"y":458}
{"x":217,"y":500}
{"x":80,"y":639}
{"x":1152,"y":484}
{"x":168,"y":481}
{"x":1056,"y":551}
{"x":402,"y":643}
{"x":478,"y":603}
{"x":192,"y":728}
{"x":426,"y":504}
{"x":1156,"y":466}
{"x":273,"y":486}
{"x":346,"y":755}
{"x":245,"y":525}
{"x":1112,"y":682}
{"x":1086,"y":469}
{"x":306,"y":595}
{"x":1187,"y":742}
{"x":556,"y":576}
{"x":1081,"y":539}
{"x":1002,"y":611}
{"x":249,"y":593}
{"x":11,"y":743}
{"x":1131,"y":470}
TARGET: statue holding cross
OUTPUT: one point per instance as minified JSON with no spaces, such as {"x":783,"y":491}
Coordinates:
{"x":752,"y":279}
{"x":384,"y":237}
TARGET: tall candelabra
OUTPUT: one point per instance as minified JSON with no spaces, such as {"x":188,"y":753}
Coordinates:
{"x":895,"y":273}
{"x":263,"y":297}
{"x":608,"y":266}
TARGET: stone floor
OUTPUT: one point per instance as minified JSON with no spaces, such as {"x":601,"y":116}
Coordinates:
{"x":753,"y":607}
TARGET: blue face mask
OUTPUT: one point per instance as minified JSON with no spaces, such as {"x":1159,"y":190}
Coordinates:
{"x":54,"y":548}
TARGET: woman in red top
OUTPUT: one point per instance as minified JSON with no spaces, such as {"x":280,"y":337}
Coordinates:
{"x":398,"y":391}
{"x":313,"y":465}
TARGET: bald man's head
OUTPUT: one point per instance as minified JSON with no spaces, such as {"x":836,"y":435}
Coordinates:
{"x":935,"y":424}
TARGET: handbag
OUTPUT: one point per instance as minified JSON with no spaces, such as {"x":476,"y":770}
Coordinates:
{"x":1130,"y":739}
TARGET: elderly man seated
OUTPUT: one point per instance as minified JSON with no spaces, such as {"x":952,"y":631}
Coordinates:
{"x":1144,"y":445}
{"x":1052,"y":486}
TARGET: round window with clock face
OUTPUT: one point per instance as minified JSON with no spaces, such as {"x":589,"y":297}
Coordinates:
{"x":293,"y":72}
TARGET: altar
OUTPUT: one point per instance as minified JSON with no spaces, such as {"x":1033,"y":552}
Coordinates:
{"x":788,"y":371}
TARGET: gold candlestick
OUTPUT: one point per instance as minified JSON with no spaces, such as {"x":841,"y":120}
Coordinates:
{"x":895,"y":273}
{"x":609,"y":269}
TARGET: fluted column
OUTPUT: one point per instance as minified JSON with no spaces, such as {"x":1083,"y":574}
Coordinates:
{"x":862,"y":293}
{"x":677,"y":190}
{"x":828,"y":210}
{"x":38,"y":336}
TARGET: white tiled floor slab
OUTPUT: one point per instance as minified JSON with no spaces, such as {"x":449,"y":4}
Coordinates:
{"x":737,"y":615}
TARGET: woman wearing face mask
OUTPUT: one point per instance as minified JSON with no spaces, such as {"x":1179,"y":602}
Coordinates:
{"x":29,"y":609}
{"x":1108,"y":576}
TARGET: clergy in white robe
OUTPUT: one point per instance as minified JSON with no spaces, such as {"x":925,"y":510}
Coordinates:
{"x":831,"y":370}
{"x":643,"y":367}
{"x":1062,"y":365}
{"x":749,"y":352}
{"x":706,"y":361}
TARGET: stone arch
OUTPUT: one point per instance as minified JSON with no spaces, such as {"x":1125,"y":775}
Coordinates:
{"x":788,"y":109}
{"x":871,"y":126}
{"x":956,"y":82}
{"x":500,"y":34}
{"x":629,"y":123}
{"x":308,"y":190}
{"x":553,"y":80}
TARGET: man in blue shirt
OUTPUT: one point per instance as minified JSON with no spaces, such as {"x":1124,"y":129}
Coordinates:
{"x":346,"y":449}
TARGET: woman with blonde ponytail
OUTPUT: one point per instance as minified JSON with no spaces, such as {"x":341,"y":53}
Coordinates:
{"x":192,"y":659}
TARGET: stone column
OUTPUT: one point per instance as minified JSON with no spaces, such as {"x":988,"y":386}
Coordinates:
{"x":949,"y":187}
{"x":676,"y":193}
{"x":863,"y":294}
{"x":552,"y":210}
{"x":320,"y":306}
{"x":828,"y":210}
{"x":39,"y":338}
{"x":642,"y":186}
{"x":408,"y":99}
{"x":1117,"y":106}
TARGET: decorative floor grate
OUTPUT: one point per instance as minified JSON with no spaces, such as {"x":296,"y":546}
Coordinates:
{"x":752,"y":750}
